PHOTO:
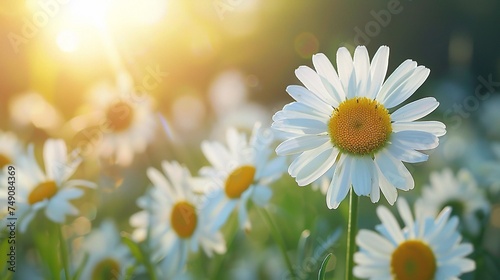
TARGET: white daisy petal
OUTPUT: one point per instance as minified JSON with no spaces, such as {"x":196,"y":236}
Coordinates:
{"x":80,"y":183}
{"x":261,"y":195}
{"x":361,"y":174}
{"x":415,"y":110}
{"x":405,"y":90}
{"x":57,"y":209}
{"x":301,"y":144}
{"x":305,"y":158}
{"x":378,"y":70}
{"x":282,"y":115}
{"x":362,"y":70}
{"x":404,"y":211}
{"x":325,"y":69}
{"x":300,"y":107}
{"x":313,"y":82}
{"x":341,"y":183}
{"x":418,"y":140}
{"x":159,"y":181}
{"x":399,"y":76}
{"x":317,"y":167}
{"x":215,"y":153}
{"x":373,"y":242}
{"x":55,"y":158}
{"x":303,"y":95}
{"x":390,"y":223}
{"x":394,"y":171}
{"x":375,"y":185}
{"x":306,"y":126}
{"x":434,"y":127}
{"x":346,"y":72}
{"x":402,"y":152}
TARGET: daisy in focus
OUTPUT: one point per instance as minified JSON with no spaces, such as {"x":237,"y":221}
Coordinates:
{"x":108,"y":258}
{"x":426,"y":248}
{"x":342,"y":122}
{"x":122,"y":123}
{"x":174,"y":220}
{"x":240,"y":172}
{"x":50,"y":191}
{"x":459,"y":192}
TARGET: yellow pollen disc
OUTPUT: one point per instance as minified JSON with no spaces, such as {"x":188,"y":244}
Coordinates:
{"x":360,"y":126}
{"x":184,"y":219}
{"x":107,"y":269}
{"x":45,"y":190}
{"x":239,"y":180}
{"x":413,"y":260}
{"x":119,"y":116}
{"x":4,"y":160}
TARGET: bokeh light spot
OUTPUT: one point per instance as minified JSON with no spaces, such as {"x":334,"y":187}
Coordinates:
{"x":306,"y":44}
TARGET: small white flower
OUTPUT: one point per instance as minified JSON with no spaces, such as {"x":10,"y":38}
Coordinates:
{"x":426,"y":248}
{"x":122,"y":123}
{"x":50,"y":190}
{"x":342,"y":122}
{"x":10,"y":149}
{"x":108,"y":258}
{"x":31,"y":108}
{"x":240,"y":172}
{"x":173,"y":220}
{"x":10,"y":153}
{"x":461,"y":193}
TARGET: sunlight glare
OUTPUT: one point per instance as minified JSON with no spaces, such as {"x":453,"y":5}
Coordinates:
{"x":67,"y":41}
{"x":90,"y":11}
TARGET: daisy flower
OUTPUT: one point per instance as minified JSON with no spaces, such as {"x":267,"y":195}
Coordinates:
{"x":121,"y":124}
{"x":50,"y":190}
{"x":172,"y":220}
{"x":240,"y":172}
{"x":108,"y":258}
{"x":426,"y":248}
{"x":342,"y":122}
{"x":459,"y":192}
{"x":10,"y":149}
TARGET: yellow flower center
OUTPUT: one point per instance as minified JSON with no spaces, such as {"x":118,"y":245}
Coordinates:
{"x":119,"y":116}
{"x":360,"y":126}
{"x":107,"y":269}
{"x":413,"y":260}
{"x":184,"y":219}
{"x":43,"y":191}
{"x":4,"y":160}
{"x":239,"y":180}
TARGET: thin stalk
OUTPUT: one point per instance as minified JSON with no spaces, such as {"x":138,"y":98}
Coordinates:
{"x":64,"y":253}
{"x":352,"y":226}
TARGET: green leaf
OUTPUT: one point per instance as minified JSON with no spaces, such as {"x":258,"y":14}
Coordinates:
{"x":304,"y":246}
{"x":322,"y":269}
{"x":134,"y":248}
{"x":80,"y":268}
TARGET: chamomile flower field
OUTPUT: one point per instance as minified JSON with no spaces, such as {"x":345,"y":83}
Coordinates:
{"x":249,"y":139}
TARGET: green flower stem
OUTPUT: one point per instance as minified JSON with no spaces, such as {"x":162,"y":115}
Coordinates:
{"x":278,"y":238}
{"x":151,"y":270}
{"x":64,"y":253}
{"x":352,"y":226}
